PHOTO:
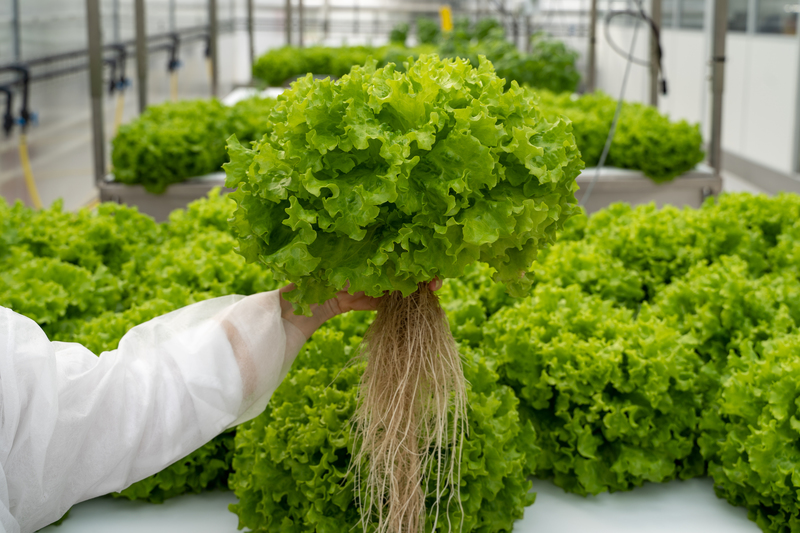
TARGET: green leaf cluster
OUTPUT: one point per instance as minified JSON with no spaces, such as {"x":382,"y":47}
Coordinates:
{"x":614,"y":399}
{"x":724,"y":278}
{"x":428,"y":31}
{"x":645,"y":139}
{"x":757,"y":460}
{"x":174,"y":141}
{"x":384,"y":179}
{"x":399,"y":33}
{"x":291,"y":467}
{"x":549,"y":65}
{"x":90,"y":276}
{"x":657,"y":343}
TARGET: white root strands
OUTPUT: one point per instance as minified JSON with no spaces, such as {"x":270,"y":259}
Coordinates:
{"x":411,"y":416}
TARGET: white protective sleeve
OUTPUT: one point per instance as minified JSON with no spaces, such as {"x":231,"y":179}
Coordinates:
{"x":74,"y":426}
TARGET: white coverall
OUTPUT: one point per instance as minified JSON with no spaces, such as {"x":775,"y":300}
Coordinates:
{"x":74,"y":426}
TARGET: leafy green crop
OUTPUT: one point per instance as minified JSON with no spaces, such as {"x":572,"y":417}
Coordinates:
{"x":756,"y":430}
{"x":169,"y":143}
{"x":291,"y":463}
{"x":427,"y":31}
{"x":645,"y":139}
{"x":399,"y":33}
{"x":387,"y":179}
{"x":89,"y":277}
{"x":613,"y":399}
{"x":550,"y":64}
{"x":174,"y":141}
{"x":658,"y":343}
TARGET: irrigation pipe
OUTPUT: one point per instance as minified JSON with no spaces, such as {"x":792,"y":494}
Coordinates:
{"x":120,"y":111}
{"x":617,"y":112}
{"x":173,"y":85}
{"x":26,"y":170}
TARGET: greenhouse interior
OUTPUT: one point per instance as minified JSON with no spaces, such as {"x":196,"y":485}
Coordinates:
{"x":321,"y":266}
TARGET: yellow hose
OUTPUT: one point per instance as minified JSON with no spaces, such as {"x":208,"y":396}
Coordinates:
{"x":26,"y":169}
{"x":173,"y":85}
{"x":120,"y":111}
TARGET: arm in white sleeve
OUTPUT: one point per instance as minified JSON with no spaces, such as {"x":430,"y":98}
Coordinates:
{"x":74,"y":426}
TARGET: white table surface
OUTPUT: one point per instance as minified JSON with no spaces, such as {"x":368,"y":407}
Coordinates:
{"x":679,"y":506}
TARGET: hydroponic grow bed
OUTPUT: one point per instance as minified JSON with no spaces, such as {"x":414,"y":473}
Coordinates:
{"x":633,"y":187}
{"x":159,"y":206}
{"x":685,"y":506}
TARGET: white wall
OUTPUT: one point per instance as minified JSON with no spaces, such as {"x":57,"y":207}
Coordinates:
{"x":759,"y":100}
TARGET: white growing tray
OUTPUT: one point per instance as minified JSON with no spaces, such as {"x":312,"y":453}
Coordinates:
{"x":678,"y":506}
{"x":633,"y":187}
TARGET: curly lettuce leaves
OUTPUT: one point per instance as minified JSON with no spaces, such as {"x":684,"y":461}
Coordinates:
{"x":384,"y":179}
{"x":291,"y":463}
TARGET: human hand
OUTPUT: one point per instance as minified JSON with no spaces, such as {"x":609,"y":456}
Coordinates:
{"x":343,"y":302}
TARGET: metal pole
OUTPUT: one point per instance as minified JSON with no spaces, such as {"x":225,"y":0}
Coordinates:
{"x":172,"y":21}
{"x":213,"y":30}
{"x":528,"y":34}
{"x":717,"y":77}
{"x":590,"y":61}
{"x":250,"y":37}
{"x":96,"y":87}
{"x":115,"y":20}
{"x":752,"y":16}
{"x":325,"y":19}
{"x":300,"y":23}
{"x":656,"y":16}
{"x":15,"y":30}
{"x":796,"y":152}
{"x":288,"y":15}
{"x":141,"y":54}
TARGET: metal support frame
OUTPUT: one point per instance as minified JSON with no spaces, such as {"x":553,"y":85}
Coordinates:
{"x":720,"y":28}
{"x":16,"y":31}
{"x":655,"y":15}
{"x":116,"y":33}
{"x":250,"y":38}
{"x":141,"y":54}
{"x":213,"y":30}
{"x":796,"y":147}
{"x":173,"y":21}
{"x":96,"y":88}
{"x":592,"y":56}
{"x":300,"y":23}
{"x":288,"y":15}
{"x":752,"y":16}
